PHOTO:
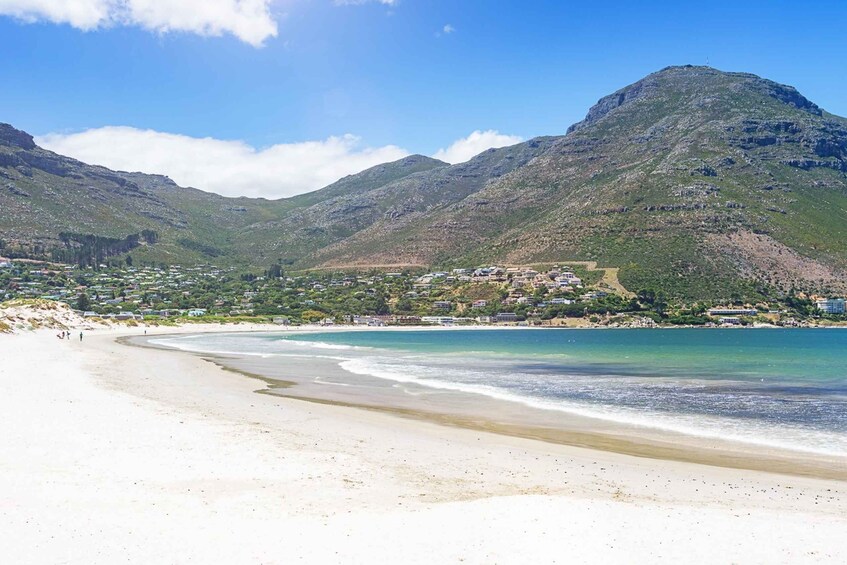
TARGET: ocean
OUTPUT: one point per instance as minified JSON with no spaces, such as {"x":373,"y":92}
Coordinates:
{"x":782,"y":388}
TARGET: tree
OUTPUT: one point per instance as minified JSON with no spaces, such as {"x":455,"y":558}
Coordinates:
{"x":312,"y":316}
{"x":83,"y":302}
{"x":647,"y":296}
{"x":660,"y":304}
{"x":129,"y":260}
{"x":404,"y":305}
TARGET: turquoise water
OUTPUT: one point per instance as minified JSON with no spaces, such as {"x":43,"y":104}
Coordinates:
{"x":783,"y":388}
{"x":804,"y":355}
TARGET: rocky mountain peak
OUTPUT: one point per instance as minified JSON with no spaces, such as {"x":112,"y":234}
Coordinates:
{"x":690,"y":84}
{"x":15,"y":137}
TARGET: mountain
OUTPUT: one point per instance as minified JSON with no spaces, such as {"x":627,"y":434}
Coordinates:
{"x":49,"y":196}
{"x":703,"y":183}
{"x":344,"y":209}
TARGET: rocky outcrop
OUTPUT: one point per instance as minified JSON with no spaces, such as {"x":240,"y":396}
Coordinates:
{"x":15,"y":137}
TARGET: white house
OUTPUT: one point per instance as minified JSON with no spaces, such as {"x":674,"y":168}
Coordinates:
{"x":831,"y":305}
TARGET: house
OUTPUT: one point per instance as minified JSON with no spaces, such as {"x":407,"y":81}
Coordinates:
{"x":507,"y":317}
{"x":442,"y":305}
{"x":441,"y":320}
{"x":406,"y":320}
{"x":831,"y":305}
{"x":123,"y":316}
{"x":372,"y":321}
{"x":479,"y":304}
{"x":733,"y":312}
{"x":281,"y":321}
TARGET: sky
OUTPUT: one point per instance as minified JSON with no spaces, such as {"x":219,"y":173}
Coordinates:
{"x":273,"y":98}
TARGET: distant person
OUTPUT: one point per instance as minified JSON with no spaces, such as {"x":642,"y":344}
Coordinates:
{"x":80,"y":336}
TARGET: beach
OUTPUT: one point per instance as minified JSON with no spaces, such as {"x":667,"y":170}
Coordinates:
{"x":120,"y":453}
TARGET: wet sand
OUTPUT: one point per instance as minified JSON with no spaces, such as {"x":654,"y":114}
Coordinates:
{"x":322,"y":380}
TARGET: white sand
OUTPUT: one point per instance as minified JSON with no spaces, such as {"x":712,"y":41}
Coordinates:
{"x":112,"y":453}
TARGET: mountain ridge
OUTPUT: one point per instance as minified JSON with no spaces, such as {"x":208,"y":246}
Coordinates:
{"x":702,"y":182}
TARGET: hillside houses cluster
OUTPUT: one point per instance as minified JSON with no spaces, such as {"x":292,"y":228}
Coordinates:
{"x":493,"y":294}
{"x":163,"y":291}
{"x":516,"y":277}
{"x":125,"y":294}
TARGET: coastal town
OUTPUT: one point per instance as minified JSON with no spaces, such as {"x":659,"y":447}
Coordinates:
{"x":555,"y":295}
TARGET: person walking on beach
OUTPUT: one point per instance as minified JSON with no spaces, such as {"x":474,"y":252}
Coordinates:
{"x":80,"y":336}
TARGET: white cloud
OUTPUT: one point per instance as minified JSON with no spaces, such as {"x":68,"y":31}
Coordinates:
{"x":231,"y":168}
{"x":463,"y":149}
{"x":248,"y":20}
{"x":235,"y":168}
{"x":448,"y":29}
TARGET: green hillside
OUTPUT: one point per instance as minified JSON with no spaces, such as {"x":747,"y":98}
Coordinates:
{"x":697,"y":181}
{"x":703,"y":183}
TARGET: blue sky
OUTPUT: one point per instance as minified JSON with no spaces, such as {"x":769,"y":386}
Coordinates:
{"x":384,"y":73}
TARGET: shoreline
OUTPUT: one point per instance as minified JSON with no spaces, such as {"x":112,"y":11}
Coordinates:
{"x":141,"y":454}
{"x":569,"y":429}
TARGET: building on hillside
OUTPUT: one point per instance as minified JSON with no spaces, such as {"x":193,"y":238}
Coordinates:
{"x":733,"y":312}
{"x":831,"y":305}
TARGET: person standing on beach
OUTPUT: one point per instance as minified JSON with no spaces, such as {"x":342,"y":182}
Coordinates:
{"x":80,"y":336}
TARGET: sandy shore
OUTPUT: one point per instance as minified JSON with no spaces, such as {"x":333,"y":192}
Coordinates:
{"x":116,"y":453}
